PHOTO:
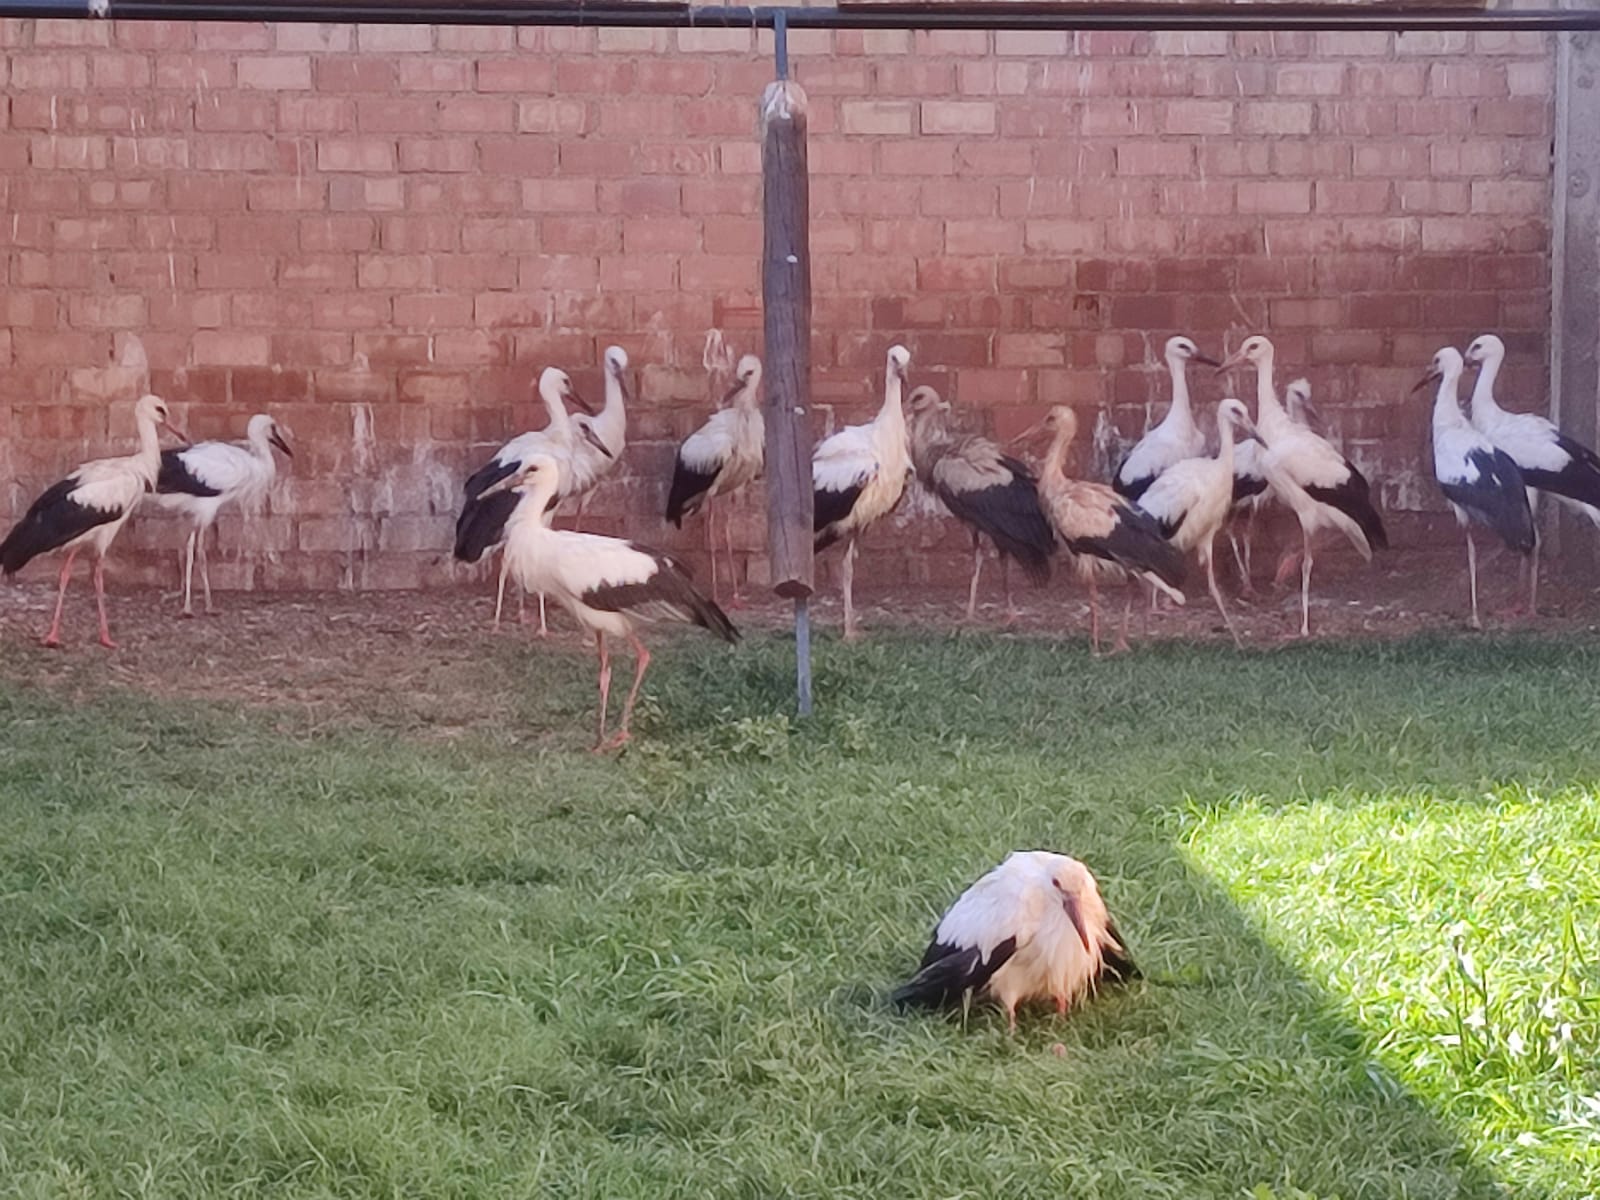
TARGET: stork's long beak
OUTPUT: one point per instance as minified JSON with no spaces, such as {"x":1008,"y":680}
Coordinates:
{"x":1235,"y":359}
{"x":277,"y":439}
{"x":593,"y":438}
{"x":1206,"y":359}
{"x":1433,"y":376}
{"x":1310,"y":410}
{"x":1031,"y":431}
{"x":572,"y":395}
{"x":1248,"y":428}
{"x":177,"y":431}
{"x":1069,"y":901}
{"x":505,"y":485}
{"x":622,"y":384}
{"x":733,"y":392}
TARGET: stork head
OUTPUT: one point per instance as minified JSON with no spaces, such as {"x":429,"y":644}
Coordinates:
{"x":555,"y":388}
{"x":535,"y":470}
{"x":1485,"y":348}
{"x":924,"y":401}
{"x":1297,"y":398}
{"x":1073,"y":885}
{"x":1181,"y":350}
{"x":616,"y":360}
{"x":151,"y":407}
{"x":899,"y":362}
{"x":1255,"y":350}
{"x":1062,"y":421}
{"x":746,"y":378}
{"x":263,"y":428}
{"x":1233,"y":412}
{"x":1447,"y":364}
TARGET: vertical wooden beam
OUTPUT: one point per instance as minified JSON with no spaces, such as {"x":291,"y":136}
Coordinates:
{"x":1575,"y":283}
{"x":786,"y":297}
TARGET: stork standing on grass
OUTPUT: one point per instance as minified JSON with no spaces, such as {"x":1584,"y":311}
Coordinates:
{"x":200,"y":480}
{"x":1107,"y":536}
{"x":1034,"y":928}
{"x":1481,"y":482}
{"x":89,"y":508}
{"x":1322,"y":487}
{"x":1176,"y":438}
{"x":859,"y":474}
{"x":481,"y":527}
{"x":993,"y":494}
{"x":608,"y":584}
{"x":719,"y":458}
{"x":1549,"y":460}
{"x":1190,"y":499}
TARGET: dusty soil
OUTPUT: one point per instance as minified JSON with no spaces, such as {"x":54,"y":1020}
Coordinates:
{"x":420,"y":659}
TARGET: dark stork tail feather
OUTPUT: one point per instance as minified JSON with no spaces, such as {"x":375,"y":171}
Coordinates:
{"x":486,"y":476}
{"x":53,"y":520}
{"x":689,"y":486}
{"x":828,"y":508}
{"x":1116,"y":965}
{"x":1011,"y":517}
{"x":949,"y":972}
{"x":670,"y":588}
{"x":1244,"y":487}
{"x":1138,"y":541}
{"x":482,"y":524}
{"x":1579,"y":480}
{"x":1353,"y":498}
{"x":175,"y":478}
{"x":1498,"y":498}
{"x":1130,"y":489}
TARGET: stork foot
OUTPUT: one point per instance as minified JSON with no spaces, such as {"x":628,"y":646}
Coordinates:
{"x":1061,"y":1006}
{"x":187,"y":613}
{"x":735,"y":602}
{"x":615,"y":742}
{"x":107,"y":642}
{"x":212,"y":610}
{"x":51,"y":642}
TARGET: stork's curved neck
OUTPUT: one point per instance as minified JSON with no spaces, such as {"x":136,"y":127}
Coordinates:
{"x":1483,"y":401}
{"x":1225,"y":441}
{"x":1270,"y":417}
{"x":536,"y":506}
{"x":1179,"y":413}
{"x":613,"y":414}
{"x":560,"y":424}
{"x":259,"y":446}
{"x":149,"y":453}
{"x":892,"y":416}
{"x":1055,"y":458}
{"x":1447,"y":401}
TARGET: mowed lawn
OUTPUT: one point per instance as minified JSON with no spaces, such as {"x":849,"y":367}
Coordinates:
{"x":241,"y":956}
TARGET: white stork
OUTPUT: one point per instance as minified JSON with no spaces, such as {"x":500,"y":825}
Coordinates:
{"x":1322,"y":487}
{"x":604,"y":434}
{"x":481,"y":526}
{"x":200,"y":480}
{"x":859,"y":474}
{"x":1176,"y":437}
{"x":990,"y":492}
{"x":1190,"y":499}
{"x":88,"y":508}
{"x":1250,"y":492}
{"x":720,"y":457}
{"x":1549,"y":460}
{"x":1107,"y":536}
{"x":1034,"y":928}
{"x":1481,"y":482}
{"x":608,"y":584}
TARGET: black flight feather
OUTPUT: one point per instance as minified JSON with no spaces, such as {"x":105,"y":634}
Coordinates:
{"x":1498,"y":498}
{"x":1130,"y":489}
{"x":175,"y":478}
{"x":669,"y":586}
{"x":1116,"y":966}
{"x":828,"y":508}
{"x":486,"y":476}
{"x":1353,"y":498}
{"x":1579,"y":480}
{"x":689,"y":486}
{"x":1011,"y":516}
{"x":482,"y":523}
{"x":1246,"y":486}
{"x":51,"y":521}
{"x":949,"y":972}
{"x":1136,"y":542}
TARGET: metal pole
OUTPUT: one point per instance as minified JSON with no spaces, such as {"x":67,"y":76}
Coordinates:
{"x":1178,"y":17}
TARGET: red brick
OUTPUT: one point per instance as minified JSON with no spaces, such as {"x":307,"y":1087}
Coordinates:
{"x":324,"y":234}
{"x":524,"y":76}
{"x":346,"y":194}
{"x":499,"y":234}
{"x":1521,"y":197}
{"x":523,"y":157}
{"x":432,"y":310}
{"x":1356,"y":196}
{"x":581,"y":235}
{"x":395,"y":39}
{"x":1272,"y":118}
{"x":279,"y":72}
{"x":957,"y":117}
{"x":396,"y":114}
{"x":228,"y":348}
{"x":322,"y":272}
{"x":336,"y":73}
{"x":367,"y":154}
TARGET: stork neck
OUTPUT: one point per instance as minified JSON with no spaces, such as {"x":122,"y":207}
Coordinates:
{"x":1484,"y":404}
{"x":614,"y":413}
{"x":892,"y":416}
{"x":149,"y":452}
{"x":1179,"y":413}
{"x":1225,"y":441}
{"x":1447,"y":403}
{"x":1055,"y":458}
{"x":560,"y":424}
{"x":259,"y":446}
{"x":536,"y":500}
{"x":1270,"y":417}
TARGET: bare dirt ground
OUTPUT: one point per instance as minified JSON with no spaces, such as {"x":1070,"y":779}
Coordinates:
{"x":425,"y":659}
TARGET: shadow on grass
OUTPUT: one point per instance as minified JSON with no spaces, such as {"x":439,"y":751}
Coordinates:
{"x":355,"y":966}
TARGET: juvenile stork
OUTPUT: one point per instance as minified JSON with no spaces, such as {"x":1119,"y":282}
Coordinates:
{"x":1322,"y":487}
{"x":1191,"y":499}
{"x":481,"y":527}
{"x":1481,"y":482}
{"x":199,"y":481}
{"x":1107,"y":536}
{"x":604,"y":435}
{"x":608,"y":584}
{"x":720,"y":457}
{"x":89,"y":508}
{"x":990,"y":492}
{"x":1549,"y":460}
{"x":1034,"y":928}
{"x":859,"y":474}
{"x":1176,"y":438}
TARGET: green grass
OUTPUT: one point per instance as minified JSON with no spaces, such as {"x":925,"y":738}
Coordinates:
{"x":239,"y":957}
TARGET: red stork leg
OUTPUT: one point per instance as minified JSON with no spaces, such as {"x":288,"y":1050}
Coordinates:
{"x":100,"y":601}
{"x":977,"y":570}
{"x":1094,"y":615}
{"x":641,"y":664}
{"x":188,"y":573}
{"x":605,"y":687}
{"x":53,"y":638}
{"x":735,"y":600}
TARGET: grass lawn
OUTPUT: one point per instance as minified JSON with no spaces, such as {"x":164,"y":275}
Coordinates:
{"x":242,"y":956}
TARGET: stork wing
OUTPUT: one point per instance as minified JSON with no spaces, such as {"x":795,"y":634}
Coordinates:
{"x":989,"y":923}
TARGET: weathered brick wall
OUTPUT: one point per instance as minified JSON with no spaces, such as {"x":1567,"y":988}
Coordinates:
{"x":381,"y":233}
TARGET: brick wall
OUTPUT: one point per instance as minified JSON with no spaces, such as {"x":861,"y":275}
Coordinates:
{"x":381,"y":233}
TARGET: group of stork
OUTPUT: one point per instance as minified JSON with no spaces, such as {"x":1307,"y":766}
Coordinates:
{"x":1164,"y":506}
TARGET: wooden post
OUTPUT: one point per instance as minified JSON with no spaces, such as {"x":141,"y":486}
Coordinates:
{"x":786,"y":298}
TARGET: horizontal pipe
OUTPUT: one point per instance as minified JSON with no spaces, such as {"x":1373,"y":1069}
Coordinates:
{"x":1177,"y":17}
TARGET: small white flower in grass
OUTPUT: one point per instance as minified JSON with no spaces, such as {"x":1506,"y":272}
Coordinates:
{"x":1515,"y":1044}
{"x":1528,"y":1138}
{"x":1548,"y":1010}
{"x":1475,"y":1019}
